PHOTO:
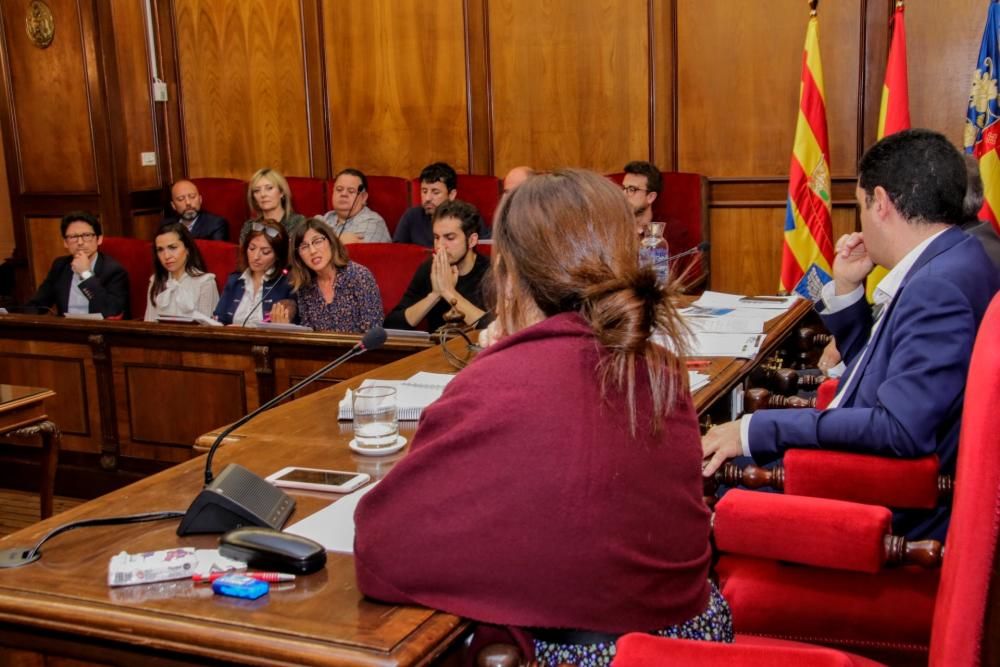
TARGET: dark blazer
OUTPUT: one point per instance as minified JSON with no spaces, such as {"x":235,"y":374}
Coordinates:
{"x":107,"y":289}
{"x":207,"y":226}
{"x":274,"y":290}
{"x":906,"y":398}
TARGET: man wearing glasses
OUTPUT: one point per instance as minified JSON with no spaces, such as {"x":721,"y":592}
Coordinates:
{"x":642,"y":184}
{"x":351,"y":219}
{"x":186,"y":202}
{"x":84,"y":281}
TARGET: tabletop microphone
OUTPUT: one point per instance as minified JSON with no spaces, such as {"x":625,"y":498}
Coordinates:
{"x":701,"y":247}
{"x":238,"y":497}
{"x":284,"y":272}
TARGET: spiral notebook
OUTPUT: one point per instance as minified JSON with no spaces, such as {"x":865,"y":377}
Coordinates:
{"x":412,"y":395}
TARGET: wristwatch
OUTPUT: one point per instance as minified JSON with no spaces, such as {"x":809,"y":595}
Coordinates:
{"x":87,"y":275}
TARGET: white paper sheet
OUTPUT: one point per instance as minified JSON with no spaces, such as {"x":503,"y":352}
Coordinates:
{"x":333,"y":526}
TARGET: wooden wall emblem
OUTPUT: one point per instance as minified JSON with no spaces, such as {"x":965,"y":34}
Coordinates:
{"x":40,"y":24}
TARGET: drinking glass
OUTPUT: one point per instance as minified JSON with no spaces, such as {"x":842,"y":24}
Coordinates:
{"x":375,"y":423}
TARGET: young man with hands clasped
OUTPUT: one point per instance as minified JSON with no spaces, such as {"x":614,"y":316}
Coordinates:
{"x":454,"y":273}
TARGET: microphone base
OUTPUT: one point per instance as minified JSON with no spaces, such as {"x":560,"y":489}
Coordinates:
{"x":236,"y":498}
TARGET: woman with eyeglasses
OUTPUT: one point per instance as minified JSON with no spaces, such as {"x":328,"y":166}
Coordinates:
{"x":332,"y":293}
{"x":261,"y":280}
{"x":180,"y":286}
{"x":270,"y":198}
{"x":575,"y":438}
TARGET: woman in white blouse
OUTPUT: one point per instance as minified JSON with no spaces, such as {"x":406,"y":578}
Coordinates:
{"x":179,"y":286}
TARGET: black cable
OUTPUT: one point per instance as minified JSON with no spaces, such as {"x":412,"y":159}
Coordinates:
{"x":26,"y":556}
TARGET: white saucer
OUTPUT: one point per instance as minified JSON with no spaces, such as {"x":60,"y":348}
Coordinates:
{"x":379,"y":451}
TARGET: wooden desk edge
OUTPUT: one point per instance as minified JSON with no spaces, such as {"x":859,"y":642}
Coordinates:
{"x":153,"y":629}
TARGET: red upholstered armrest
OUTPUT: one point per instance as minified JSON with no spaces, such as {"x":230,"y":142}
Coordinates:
{"x":863,"y":478}
{"x":642,"y":650}
{"x":810,"y":531}
{"x":825,"y":393}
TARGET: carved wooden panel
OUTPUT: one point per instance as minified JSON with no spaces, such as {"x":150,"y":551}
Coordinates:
{"x":570,"y":83}
{"x":939,"y":86}
{"x":51,"y":103}
{"x":242,"y":86}
{"x":289,"y":371}
{"x":396,"y":84}
{"x":738,"y":70}
{"x":662,"y":27}
{"x":746,"y":246}
{"x":134,"y":83}
{"x":145,"y":223}
{"x":62,"y":368}
{"x":168,"y":398}
{"x":46,"y":243}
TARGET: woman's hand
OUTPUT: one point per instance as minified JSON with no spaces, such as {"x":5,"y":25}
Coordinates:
{"x":282,"y":312}
{"x":491,"y":334}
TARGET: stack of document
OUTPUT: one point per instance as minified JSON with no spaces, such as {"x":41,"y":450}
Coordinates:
{"x":412,"y":395}
{"x":697,"y":380}
{"x":731,"y":325}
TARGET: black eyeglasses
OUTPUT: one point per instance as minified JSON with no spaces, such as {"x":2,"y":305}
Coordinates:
{"x":86,"y":236}
{"x":631,"y":189}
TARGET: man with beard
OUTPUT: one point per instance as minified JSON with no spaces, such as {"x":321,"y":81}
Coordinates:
{"x":453,"y":274}
{"x":438,"y":184}
{"x":642,"y":184}
{"x":186,"y":202}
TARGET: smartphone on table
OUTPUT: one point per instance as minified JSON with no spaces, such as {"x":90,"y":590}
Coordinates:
{"x":316,"y":479}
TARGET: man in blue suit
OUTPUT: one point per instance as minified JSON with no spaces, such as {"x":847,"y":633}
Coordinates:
{"x":907,"y":357}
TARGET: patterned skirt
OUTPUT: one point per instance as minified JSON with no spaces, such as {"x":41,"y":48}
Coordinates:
{"x":713,"y":624}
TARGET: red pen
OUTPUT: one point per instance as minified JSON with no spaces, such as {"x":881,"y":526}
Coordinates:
{"x":698,"y":363}
{"x":272,"y":577}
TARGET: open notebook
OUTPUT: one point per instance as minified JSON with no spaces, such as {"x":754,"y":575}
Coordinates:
{"x":412,"y":395}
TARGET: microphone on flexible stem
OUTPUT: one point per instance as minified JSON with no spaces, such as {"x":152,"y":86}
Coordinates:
{"x":701,"y":247}
{"x":284,"y":272}
{"x":238,"y":497}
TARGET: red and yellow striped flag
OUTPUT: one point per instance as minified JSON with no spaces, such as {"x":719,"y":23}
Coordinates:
{"x":982,"y":129}
{"x":808,"y":251}
{"x":894,"y":114}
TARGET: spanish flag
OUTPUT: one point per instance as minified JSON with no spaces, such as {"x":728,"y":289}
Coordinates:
{"x":808,"y":251}
{"x":981,"y":128}
{"x":894,"y":114}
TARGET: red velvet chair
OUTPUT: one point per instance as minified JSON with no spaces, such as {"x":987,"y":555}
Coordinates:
{"x":393,"y":265}
{"x":136,"y":256}
{"x":480,"y":190}
{"x":683,"y":205}
{"x":389,"y":196}
{"x":965,"y":620}
{"x":226,"y":197}
{"x":220,"y":258}
{"x":309,"y":195}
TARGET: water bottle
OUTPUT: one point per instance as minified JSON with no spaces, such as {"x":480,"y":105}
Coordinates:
{"x":653,"y":252}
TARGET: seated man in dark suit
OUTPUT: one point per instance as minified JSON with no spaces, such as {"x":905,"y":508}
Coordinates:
{"x":454,"y":273}
{"x":85,"y":281}
{"x":438,"y":184}
{"x":186,"y":201}
{"x":902,"y":392}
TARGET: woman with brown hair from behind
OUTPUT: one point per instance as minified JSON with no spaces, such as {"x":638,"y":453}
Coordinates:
{"x":565,"y":460}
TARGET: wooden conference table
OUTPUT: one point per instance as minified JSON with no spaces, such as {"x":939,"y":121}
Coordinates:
{"x":61,"y":605}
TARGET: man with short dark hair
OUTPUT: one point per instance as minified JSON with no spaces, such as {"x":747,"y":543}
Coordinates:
{"x":186,"y":202}
{"x":438,"y":184}
{"x":642,"y":184}
{"x":85,"y":281}
{"x":902,"y":392}
{"x":351,"y":219}
{"x":455,"y":273}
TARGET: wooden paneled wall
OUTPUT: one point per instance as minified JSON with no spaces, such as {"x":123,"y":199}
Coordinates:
{"x":312,"y":86}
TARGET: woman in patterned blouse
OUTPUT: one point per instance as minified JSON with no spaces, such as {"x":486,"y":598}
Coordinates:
{"x":332,"y":293}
